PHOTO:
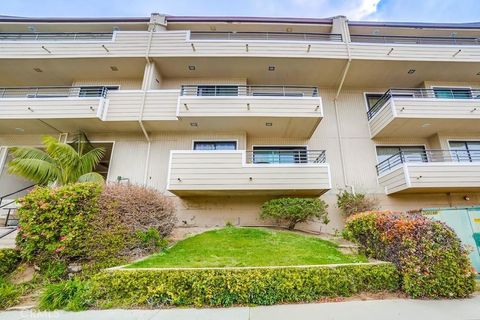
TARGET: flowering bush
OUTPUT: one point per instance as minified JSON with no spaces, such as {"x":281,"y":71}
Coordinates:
{"x":428,"y":254}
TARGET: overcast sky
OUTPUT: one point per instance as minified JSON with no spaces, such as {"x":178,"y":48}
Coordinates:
{"x":383,"y":10}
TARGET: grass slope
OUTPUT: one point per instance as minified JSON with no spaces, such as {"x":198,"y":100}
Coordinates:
{"x":240,"y":247}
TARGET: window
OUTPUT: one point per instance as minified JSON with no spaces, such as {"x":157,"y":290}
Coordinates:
{"x":215,"y":145}
{"x":465,"y":151}
{"x":279,"y":154}
{"x":95,"y":91}
{"x":411,"y":153}
{"x":217,"y":90}
{"x":453,"y":93}
{"x":372,"y":98}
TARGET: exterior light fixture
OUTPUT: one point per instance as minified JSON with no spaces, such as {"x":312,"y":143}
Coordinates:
{"x":478,"y":73}
{"x":191,"y":68}
{"x":193,"y":124}
{"x":19,"y":129}
{"x":271,"y":68}
{"x":426,"y":125}
{"x":114,"y":68}
{"x":289,"y":30}
{"x":38,"y":70}
{"x":411,"y":71}
{"x":268,"y":124}
{"x":466,"y":198}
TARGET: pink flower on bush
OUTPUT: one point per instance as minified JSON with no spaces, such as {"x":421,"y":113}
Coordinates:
{"x":60,"y":249}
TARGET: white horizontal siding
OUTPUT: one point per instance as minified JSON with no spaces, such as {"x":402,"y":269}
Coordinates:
{"x":124,"y":44}
{"x":50,"y":108}
{"x":441,"y":175}
{"x":250,"y":106}
{"x":228,"y":171}
{"x":394,"y":181}
{"x":124,"y":105}
{"x":438,"y":108}
{"x":374,"y":51}
{"x":174,"y":43}
{"x":161,"y":104}
{"x":381,"y":119}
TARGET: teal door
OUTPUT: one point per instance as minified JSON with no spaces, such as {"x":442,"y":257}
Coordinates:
{"x":466,"y":223}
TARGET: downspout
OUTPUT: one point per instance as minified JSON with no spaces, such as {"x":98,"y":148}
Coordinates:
{"x":145,"y":86}
{"x":335,"y":104}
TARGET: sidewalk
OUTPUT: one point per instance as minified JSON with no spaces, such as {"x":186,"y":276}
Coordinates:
{"x":468,"y":309}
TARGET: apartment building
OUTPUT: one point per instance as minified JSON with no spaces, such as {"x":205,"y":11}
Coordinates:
{"x":224,"y":113}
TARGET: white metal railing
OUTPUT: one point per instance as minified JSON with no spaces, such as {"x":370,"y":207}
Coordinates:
{"x":265,"y":36}
{"x":55,"y":36}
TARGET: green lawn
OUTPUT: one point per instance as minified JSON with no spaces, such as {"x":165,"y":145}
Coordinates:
{"x":239,"y":247}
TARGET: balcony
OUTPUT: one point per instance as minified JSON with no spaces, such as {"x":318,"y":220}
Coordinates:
{"x":430,"y":171}
{"x":247,"y":44}
{"x":424,"y":112}
{"x":73,"y":44}
{"x":259,"y":110}
{"x":43,"y":103}
{"x":239,"y":172}
{"x":265,"y":36}
{"x":400,"y":47}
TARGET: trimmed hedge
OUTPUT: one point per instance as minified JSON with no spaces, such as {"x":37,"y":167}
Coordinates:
{"x":428,"y":254}
{"x":226,"y":287}
{"x":9,"y":259}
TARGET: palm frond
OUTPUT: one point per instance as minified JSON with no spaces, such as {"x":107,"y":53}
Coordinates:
{"x":36,"y":170}
{"x":90,"y":159}
{"x":91,"y":177}
{"x":30,"y":153}
{"x":61,"y":152}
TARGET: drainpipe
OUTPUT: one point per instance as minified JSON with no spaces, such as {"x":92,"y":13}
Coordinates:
{"x":346,"y":38}
{"x":157,"y":21}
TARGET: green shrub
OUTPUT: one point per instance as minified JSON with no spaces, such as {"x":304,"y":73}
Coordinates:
{"x":68,"y":295}
{"x":151,"y":238}
{"x":9,"y":294}
{"x":96,"y":225}
{"x":226,"y":287}
{"x":428,"y":254}
{"x":291,"y":211}
{"x":54,"y":222}
{"x":9,"y":259}
{"x":350,"y":203}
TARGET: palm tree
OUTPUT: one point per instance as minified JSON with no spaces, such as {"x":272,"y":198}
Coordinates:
{"x":58,"y":163}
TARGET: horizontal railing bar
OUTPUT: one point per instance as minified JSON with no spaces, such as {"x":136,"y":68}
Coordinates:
{"x":427,"y":156}
{"x":416,"y":39}
{"x":268,"y":36}
{"x":423,"y":93}
{"x":38,"y":36}
{"x":244,"y":90}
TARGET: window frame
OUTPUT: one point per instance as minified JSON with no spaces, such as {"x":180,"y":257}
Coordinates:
{"x":235,"y":141}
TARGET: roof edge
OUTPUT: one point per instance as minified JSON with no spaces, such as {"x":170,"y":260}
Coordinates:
{"x":74,"y":20}
{"x":248,"y":19}
{"x":464,"y":25}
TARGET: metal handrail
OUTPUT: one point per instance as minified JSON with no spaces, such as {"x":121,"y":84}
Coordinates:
{"x":53,"y":92}
{"x":55,"y":36}
{"x":420,"y":93}
{"x":427,"y":156}
{"x":398,"y":39}
{"x":266,"y":36}
{"x":242,"y":90}
{"x":282,"y":156}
